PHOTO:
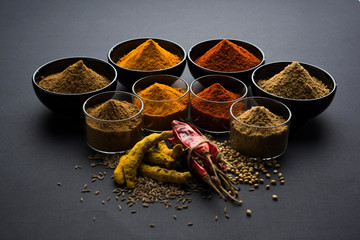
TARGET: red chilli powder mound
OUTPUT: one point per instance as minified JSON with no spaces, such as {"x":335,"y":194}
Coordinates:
{"x":213,"y":116}
{"x":228,"y":57}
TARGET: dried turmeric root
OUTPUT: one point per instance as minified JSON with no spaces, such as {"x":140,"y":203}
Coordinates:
{"x":136,"y":154}
{"x":163,"y":174}
{"x":119,"y":176}
{"x":176,"y":152}
{"x":159,"y":158}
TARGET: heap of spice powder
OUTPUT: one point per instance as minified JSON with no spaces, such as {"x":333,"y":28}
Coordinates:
{"x":261,"y":117}
{"x":148,"y":56}
{"x":159,"y":92}
{"x":77,"y":78}
{"x":228,"y":57}
{"x":113,"y":136}
{"x":216,"y":92}
{"x":113,"y":110}
{"x":268,"y":137}
{"x":295,"y":82}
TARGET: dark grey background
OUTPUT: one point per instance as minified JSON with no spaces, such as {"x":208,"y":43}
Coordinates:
{"x":320,"y":199}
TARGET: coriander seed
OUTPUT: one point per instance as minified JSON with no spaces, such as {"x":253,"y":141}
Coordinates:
{"x":248,"y":212}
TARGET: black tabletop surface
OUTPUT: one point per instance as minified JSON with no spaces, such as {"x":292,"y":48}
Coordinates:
{"x":320,"y":199}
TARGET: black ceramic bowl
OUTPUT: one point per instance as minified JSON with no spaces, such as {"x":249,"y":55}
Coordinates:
{"x":70,"y":104}
{"x":128,"y":77}
{"x":301,"y":109}
{"x":201,"y":48}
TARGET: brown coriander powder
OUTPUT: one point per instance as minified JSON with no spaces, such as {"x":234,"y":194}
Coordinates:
{"x":77,"y":78}
{"x":295,"y":82}
{"x":112,"y":135}
{"x":265,"y":137}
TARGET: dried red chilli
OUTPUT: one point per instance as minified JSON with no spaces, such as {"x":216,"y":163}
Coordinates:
{"x":203,"y":175}
{"x":192,"y":139}
{"x":204,"y":158}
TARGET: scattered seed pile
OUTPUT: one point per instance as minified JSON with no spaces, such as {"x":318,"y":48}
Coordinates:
{"x":146,"y":189}
{"x":295,"y":82}
{"x":244,"y":170}
{"x":77,"y":78}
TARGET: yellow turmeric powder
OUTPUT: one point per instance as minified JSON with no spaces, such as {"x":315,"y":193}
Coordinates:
{"x":161,"y":92}
{"x":148,"y":56}
{"x":136,"y":155}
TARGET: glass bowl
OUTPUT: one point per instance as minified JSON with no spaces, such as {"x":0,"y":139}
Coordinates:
{"x":255,"y":141}
{"x":113,"y":136}
{"x":213,"y":116}
{"x":158,"y":114}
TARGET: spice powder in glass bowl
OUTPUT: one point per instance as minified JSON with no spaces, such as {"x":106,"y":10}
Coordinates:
{"x":259,"y":133}
{"x":162,"y":104}
{"x":114,"y":126}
